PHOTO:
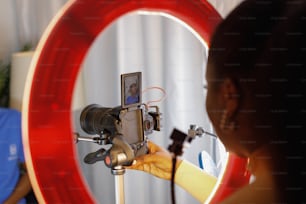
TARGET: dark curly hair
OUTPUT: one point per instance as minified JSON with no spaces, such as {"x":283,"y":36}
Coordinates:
{"x":261,"y":46}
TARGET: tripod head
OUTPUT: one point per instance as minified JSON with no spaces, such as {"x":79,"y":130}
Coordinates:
{"x":120,"y":154}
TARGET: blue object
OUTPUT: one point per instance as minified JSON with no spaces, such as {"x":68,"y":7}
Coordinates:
{"x":11,"y":152}
{"x":132,"y":99}
{"x":207,"y":164}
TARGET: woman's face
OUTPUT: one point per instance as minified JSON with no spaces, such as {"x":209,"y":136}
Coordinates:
{"x":216,"y":105}
{"x":213,"y":106}
{"x":133,"y":89}
{"x":224,"y":95}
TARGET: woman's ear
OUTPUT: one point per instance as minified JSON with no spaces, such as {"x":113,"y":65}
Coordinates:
{"x":230,"y":96}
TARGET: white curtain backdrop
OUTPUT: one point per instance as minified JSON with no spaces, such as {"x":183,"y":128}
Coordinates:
{"x":168,"y":55}
{"x":23,"y":22}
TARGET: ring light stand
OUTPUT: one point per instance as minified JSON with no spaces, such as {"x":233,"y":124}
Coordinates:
{"x":118,"y":172}
{"x":47,"y":129}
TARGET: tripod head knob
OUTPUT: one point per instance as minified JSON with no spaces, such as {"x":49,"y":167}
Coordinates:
{"x":93,"y":157}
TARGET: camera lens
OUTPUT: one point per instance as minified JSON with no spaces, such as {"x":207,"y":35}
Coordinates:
{"x":88,"y":118}
{"x":95,"y":119}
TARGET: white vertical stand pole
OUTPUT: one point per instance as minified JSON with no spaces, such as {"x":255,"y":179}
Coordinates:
{"x":118,"y":172}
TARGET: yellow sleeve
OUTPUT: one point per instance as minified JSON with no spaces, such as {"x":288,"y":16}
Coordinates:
{"x":194,"y":180}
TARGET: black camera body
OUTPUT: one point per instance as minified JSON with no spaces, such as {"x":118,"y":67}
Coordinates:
{"x":125,"y":127}
{"x":133,"y":124}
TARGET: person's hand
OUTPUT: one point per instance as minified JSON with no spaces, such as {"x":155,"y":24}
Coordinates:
{"x":157,"y":162}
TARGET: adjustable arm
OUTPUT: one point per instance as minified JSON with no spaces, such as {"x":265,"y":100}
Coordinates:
{"x":102,"y":139}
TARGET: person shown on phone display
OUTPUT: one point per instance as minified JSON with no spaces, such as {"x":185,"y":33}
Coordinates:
{"x":134,"y":95}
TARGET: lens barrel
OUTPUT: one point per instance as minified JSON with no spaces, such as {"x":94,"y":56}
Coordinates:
{"x":95,"y":119}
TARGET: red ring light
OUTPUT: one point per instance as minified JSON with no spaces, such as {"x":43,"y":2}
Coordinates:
{"x":47,"y":129}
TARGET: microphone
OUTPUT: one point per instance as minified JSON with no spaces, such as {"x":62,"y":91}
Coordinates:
{"x":179,"y":138}
{"x":197,"y":131}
